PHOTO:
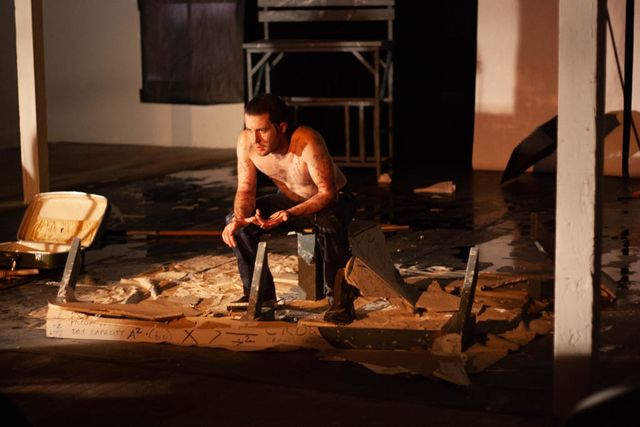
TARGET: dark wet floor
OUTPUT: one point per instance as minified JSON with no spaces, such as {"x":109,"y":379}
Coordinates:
{"x":54,"y":382}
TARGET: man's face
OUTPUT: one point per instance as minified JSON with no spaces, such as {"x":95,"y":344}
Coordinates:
{"x":265,"y":136}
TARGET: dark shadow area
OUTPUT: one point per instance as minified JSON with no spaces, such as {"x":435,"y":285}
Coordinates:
{"x":9,"y":125}
{"x":435,"y":85}
{"x":434,"y":80}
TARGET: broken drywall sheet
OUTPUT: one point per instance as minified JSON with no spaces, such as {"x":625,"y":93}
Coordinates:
{"x":194,"y":309}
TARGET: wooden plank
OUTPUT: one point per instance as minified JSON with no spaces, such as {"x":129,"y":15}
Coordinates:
{"x":326,"y":15}
{"x":323,"y":3}
{"x":33,"y":145}
{"x":578,"y":198}
{"x":254,"y":309}
{"x":463,"y":322}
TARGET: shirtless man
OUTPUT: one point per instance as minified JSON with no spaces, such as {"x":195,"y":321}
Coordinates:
{"x":311,"y":193}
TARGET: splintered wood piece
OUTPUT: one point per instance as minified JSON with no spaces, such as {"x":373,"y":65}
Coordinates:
{"x":145,"y":310}
{"x":463,"y":321}
{"x":254,"y":309}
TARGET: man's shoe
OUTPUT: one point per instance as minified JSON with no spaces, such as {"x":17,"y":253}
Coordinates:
{"x":270,"y":303}
{"x":267,"y":302}
{"x":244,"y":299}
{"x":340,"y":316}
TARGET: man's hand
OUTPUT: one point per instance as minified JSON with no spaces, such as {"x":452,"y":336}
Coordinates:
{"x":272,"y":222}
{"x":229,"y":232}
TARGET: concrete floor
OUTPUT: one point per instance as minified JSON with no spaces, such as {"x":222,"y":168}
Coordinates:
{"x":54,"y":382}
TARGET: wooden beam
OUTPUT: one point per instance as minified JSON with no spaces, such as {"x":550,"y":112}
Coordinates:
{"x":463,"y":321}
{"x":628,"y":85}
{"x":31,"y":104}
{"x":254,"y":309}
{"x":578,"y":205}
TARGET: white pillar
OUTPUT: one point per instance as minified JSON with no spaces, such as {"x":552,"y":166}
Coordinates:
{"x":33,"y":141}
{"x":578,"y":204}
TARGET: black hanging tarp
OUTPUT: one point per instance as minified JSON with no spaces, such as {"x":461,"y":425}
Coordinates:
{"x":192,"y":51}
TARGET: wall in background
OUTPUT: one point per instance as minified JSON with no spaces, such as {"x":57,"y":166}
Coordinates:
{"x":93,"y":75}
{"x":517,"y":74}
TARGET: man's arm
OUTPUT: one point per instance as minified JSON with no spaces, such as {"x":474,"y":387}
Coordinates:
{"x":245,"y":200}
{"x":320,"y":166}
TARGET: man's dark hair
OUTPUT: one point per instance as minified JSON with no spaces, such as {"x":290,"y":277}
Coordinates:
{"x":270,"y":104}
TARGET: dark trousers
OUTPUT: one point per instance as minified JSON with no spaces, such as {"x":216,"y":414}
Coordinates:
{"x":330,"y":226}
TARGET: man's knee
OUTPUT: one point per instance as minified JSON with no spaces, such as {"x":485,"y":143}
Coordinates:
{"x":327,"y":220}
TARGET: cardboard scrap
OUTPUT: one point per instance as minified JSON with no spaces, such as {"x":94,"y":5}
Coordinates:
{"x":384,"y":178}
{"x":447,"y":187}
{"x":498,"y":343}
{"x":480,"y":357}
{"x":447,"y":344}
{"x":542,"y":325}
{"x":448,"y":367}
{"x":434,"y":299}
{"x":521,"y":335}
{"x":369,"y":247}
{"x":487,"y":281}
{"x":498,"y":314}
{"x":370,"y":284}
{"x":453,"y":372}
{"x":503,"y":298}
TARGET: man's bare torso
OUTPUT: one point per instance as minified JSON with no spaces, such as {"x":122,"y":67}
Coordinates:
{"x":290,"y":172}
